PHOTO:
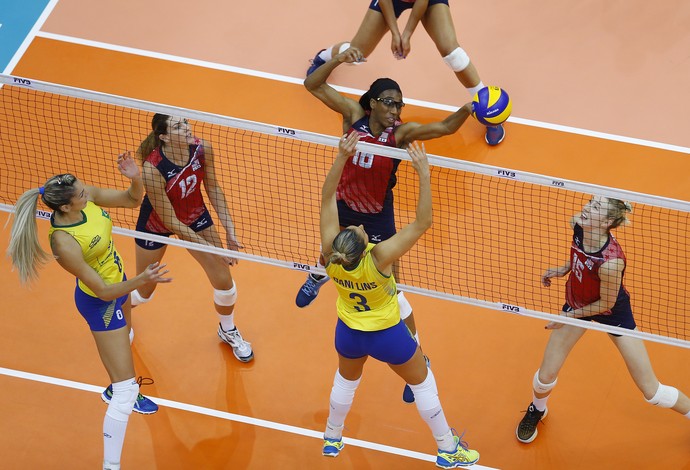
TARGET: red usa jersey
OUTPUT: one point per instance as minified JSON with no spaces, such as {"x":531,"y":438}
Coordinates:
{"x":183,"y":183}
{"x":583,"y":285}
{"x":367,"y":180}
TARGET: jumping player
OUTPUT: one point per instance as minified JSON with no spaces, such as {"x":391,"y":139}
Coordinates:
{"x":369,"y":321}
{"x":595,"y":292}
{"x":175,"y":164}
{"x":365,"y":191}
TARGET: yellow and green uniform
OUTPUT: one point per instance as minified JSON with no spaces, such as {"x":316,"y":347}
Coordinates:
{"x":367,"y":299}
{"x":94,"y":235}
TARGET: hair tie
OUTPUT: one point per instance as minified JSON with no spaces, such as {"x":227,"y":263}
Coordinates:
{"x":41,"y":190}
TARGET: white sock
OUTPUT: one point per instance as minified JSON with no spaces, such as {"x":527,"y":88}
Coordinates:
{"x":473,"y":90}
{"x":342,"y":395}
{"x":114,"y":429}
{"x":429,"y":405}
{"x":131,"y":335}
{"x":539,"y":403}
{"x":333,"y":431}
{"x":227,"y":322}
{"x":446,"y":441}
{"x":687,"y":415}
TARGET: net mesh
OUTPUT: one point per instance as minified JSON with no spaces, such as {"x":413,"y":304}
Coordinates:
{"x":492,"y":239}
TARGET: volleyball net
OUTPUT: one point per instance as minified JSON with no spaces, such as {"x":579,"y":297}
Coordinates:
{"x":495,"y":230}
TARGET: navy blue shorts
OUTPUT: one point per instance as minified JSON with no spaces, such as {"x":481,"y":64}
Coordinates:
{"x":394,"y":345}
{"x":203,"y":222}
{"x":379,"y":227}
{"x":99,"y":314}
{"x":399,"y":6}
{"x":621,"y":316}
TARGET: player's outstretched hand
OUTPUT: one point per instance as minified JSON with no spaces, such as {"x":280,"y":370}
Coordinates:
{"x":156,"y":273}
{"x":128,"y":166}
{"x":348,"y":145}
{"x":420,"y":161}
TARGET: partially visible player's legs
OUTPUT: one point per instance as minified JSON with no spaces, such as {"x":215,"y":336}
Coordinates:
{"x":345,"y":383}
{"x":224,"y":298}
{"x":561,"y":342}
{"x":369,"y":34}
{"x":452,"y":452}
{"x":637,"y":361}
{"x":308,"y":292}
{"x":438,"y":23}
{"x":147,"y":253}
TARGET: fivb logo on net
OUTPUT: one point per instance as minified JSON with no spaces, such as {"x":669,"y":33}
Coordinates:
{"x":21,"y":81}
{"x":286,"y":131}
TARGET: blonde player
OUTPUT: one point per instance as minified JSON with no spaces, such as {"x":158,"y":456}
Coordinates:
{"x":369,"y":321}
{"x":595,"y":292}
{"x":81,"y":241}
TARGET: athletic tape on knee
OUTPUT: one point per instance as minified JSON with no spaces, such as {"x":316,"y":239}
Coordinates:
{"x":225,"y":298}
{"x":426,"y":393}
{"x":665,"y":396}
{"x":458,"y":60}
{"x":137,"y":299}
{"x":343,"y":391}
{"x":540,"y":387}
{"x":122,"y":402}
{"x":405,"y":307}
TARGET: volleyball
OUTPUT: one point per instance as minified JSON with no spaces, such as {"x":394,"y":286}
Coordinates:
{"x":491,"y":106}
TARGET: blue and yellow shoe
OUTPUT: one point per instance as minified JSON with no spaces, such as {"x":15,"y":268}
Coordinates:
{"x":462,"y":457}
{"x":143,"y":405}
{"x":316,"y":62}
{"x":332,"y":447}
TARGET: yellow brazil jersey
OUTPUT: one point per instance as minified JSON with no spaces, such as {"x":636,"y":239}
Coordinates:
{"x":94,"y":235}
{"x":367,"y":300}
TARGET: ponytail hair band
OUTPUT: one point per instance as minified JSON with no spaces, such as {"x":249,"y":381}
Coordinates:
{"x":41,"y":190}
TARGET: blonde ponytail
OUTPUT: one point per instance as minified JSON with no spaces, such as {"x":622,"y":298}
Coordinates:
{"x":25,"y":250}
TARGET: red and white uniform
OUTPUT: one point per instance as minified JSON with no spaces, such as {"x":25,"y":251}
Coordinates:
{"x":183,"y":189}
{"x":368,"y":180}
{"x":583,"y":285}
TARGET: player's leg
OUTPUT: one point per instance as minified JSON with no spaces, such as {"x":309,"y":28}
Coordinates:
{"x":147,"y":253}
{"x":224,"y":299}
{"x":109,"y":329}
{"x":351,"y":358}
{"x":561,"y":342}
{"x":637,"y":361}
{"x":438,"y":23}
{"x":405,"y":358}
{"x":369,"y":34}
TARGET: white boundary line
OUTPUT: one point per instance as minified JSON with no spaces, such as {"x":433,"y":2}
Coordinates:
{"x":30,"y":37}
{"x":230,"y":417}
{"x":354,"y":91}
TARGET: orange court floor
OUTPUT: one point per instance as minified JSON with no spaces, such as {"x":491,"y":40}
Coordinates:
{"x":217,"y":413}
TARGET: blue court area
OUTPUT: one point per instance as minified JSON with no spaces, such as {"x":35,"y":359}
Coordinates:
{"x":17,"y":17}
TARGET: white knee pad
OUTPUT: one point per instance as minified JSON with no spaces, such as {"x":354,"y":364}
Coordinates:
{"x":137,"y":299}
{"x":122,"y":401}
{"x":225,"y":298}
{"x":540,"y":387}
{"x":665,"y":396}
{"x":405,"y":307}
{"x":343,"y":390}
{"x":426,"y":393}
{"x":458,"y":60}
